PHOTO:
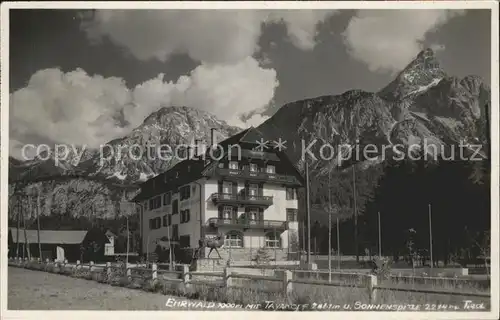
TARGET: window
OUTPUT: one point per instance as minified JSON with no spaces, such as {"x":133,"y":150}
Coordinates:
{"x":253,"y":167}
{"x":227,"y":212}
{"x":167,"y":198}
{"x":184,"y":241}
{"x":155,"y":203}
{"x":167,"y":220}
{"x":145,"y":204}
{"x":155,"y":223}
{"x":253,"y":214}
{"x":273,"y":240}
{"x":185,"y":192}
{"x":291,"y":215}
{"x":175,"y":231}
{"x":253,"y":190}
{"x":270,"y":169}
{"x":234,"y":239}
{"x":233,"y":165}
{"x":175,"y":206}
{"x":291,"y":194}
{"x":227,"y":189}
{"x":185,"y":216}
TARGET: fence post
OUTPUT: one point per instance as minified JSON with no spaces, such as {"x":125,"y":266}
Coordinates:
{"x":154,"y":274}
{"x":371,"y":284}
{"x":228,"y":280}
{"x":128,"y":271}
{"x":186,"y":276}
{"x":108,"y":270}
{"x":90,"y":266}
{"x":77,"y":264}
{"x":287,"y":276}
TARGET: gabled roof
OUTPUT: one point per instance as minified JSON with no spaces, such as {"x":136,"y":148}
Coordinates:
{"x":188,"y":171}
{"x":49,"y":236}
{"x":193,"y":169}
{"x":249,"y":136}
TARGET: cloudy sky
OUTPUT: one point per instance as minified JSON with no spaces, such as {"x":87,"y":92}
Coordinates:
{"x":86,"y":77}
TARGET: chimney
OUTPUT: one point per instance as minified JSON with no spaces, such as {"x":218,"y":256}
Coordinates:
{"x":198,"y":148}
{"x":213,"y":138}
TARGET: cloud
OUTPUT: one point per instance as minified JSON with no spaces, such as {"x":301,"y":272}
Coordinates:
{"x":301,"y":25}
{"x":76,"y":108}
{"x":252,"y":121}
{"x":212,"y":36}
{"x":387,"y":40}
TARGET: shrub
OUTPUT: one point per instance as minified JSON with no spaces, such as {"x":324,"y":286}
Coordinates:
{"x":123,"y":281}
{"x":381,"y":267}
{"x":169,"y":288}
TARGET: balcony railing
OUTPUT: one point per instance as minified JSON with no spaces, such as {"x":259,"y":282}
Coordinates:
{"x":248,"y":224}
{"x":228,"y":198}
{"x":257,"y":176}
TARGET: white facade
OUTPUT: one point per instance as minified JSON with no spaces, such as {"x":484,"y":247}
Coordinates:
{"x":198,"y":219}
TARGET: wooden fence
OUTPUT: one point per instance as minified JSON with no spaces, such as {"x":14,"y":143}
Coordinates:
{"x":285,"y":278}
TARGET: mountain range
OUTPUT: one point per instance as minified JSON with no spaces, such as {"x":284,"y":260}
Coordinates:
{"x":422,"y":103}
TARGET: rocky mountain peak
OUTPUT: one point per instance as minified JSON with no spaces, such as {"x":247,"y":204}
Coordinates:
{"x":420,"y":74}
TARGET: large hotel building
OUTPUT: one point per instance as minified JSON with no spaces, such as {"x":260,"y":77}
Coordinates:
{"x":248,"y":195}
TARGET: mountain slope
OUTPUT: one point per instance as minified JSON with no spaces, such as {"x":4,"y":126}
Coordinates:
{"x":116,"y":171}
{"x":422,"y":104}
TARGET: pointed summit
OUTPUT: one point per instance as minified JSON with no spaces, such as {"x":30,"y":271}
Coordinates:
{"x":420,"y":74}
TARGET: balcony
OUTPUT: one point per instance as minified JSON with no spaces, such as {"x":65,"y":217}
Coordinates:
{"x":258,"y":176}
{"x":249,"y":224}
{"x":227,"y":198}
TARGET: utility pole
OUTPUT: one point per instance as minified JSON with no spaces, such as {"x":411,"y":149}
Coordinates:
{"x":308,"y":214}
{"x":430,"y":235}
{"x":354,"y":195}
{"x":303,"y":238}
{"x":379,"y":237}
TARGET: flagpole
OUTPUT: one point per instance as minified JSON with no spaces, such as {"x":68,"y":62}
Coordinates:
{"x":38,"y":224}
{"x":355,"y":213}
{"x":308,"y":214}
{"x":19,"y":208}
{"x":338,"y":242}
{"x":379,"y":238}
{"x":330,"y":227}
{"x":430,"y":235}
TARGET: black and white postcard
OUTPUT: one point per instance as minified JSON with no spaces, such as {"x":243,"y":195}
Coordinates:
{"x":233,"y":157}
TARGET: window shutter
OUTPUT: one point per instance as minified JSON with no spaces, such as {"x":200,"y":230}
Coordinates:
{"x":220,"y":186}
{"x":261,"y":189}
{"x":220,"y":212}
{"x":235,"y":188}
{"x":261,"y":214}
{"x":235,"y":213}
{"x":247,"y":186}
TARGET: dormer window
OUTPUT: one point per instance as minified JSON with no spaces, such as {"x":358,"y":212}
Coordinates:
{"x":270,"y":169}
{"x":233,"y":165}
{"x":253,"y":167}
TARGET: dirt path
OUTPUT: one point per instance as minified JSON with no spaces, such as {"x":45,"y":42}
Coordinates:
{"x":36,"y":290}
